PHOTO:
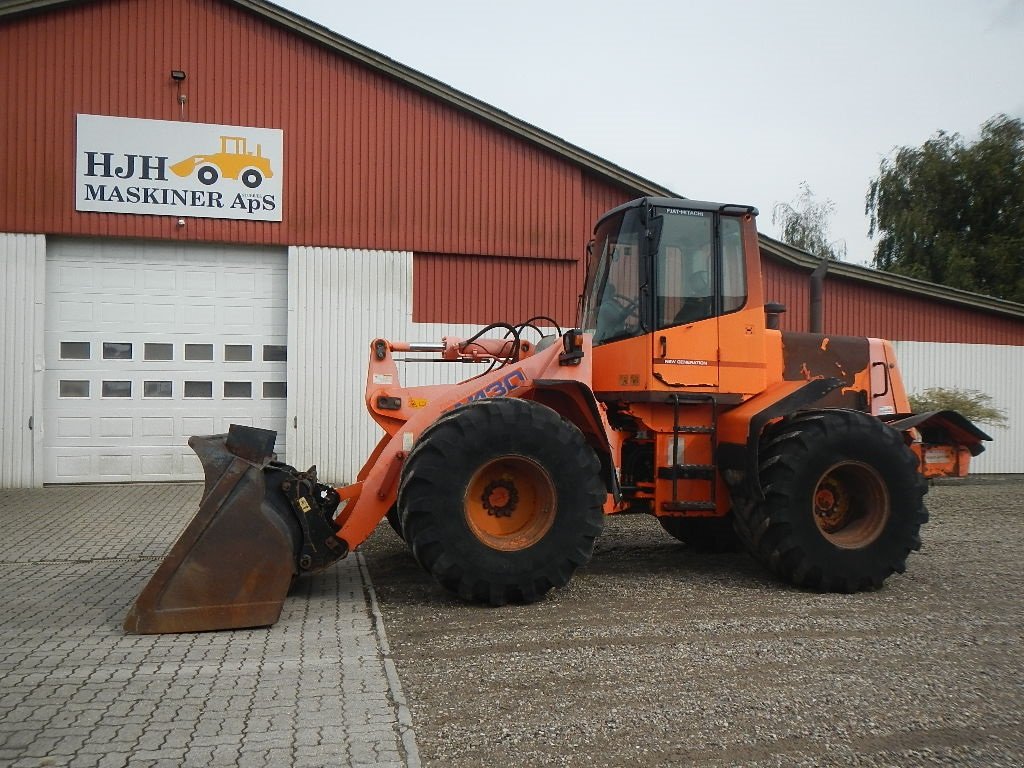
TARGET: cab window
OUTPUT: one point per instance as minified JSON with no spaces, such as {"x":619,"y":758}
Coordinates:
{"x":611,"y":307}
{"x":689,"y":285}
{"x":734,"y":268}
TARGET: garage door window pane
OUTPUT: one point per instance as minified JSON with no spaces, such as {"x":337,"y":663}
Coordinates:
{"x":75,"y":350}
{"x":117,"y":389}
{"x":237,"y":389}
{"x":198,"y":389}
{"x":275,"y":353}
{"x":159,"y":351}
{"x":74,"y":388}
{"x":273,"y":390}
{"x":117,"y":350}
{"x":199,"y":351}
{"x":157,"y":389}
{"x":238,"y":353}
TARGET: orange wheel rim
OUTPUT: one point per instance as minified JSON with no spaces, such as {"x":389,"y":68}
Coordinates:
{"x":851,"y":505}
{"x":510,"y":503}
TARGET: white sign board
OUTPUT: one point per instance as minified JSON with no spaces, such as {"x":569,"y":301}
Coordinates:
{"x":168,"y":168}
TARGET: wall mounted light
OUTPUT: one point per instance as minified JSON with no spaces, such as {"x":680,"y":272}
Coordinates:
{"x":178,"y":76}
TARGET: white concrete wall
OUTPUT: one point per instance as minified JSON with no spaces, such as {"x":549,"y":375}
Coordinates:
{"x":22,"y":299}
{"x":339,"y":300}
{"x":998,"y":371}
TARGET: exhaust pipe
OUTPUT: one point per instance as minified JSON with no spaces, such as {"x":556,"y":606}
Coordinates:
{"x":773,"y":315}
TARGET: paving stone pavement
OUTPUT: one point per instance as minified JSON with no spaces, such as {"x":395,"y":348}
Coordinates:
{"x":317,"y":689}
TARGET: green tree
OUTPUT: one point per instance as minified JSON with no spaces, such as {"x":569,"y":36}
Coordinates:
{"x":975,"y":405}
{"x":952,"y":212}
{"x":805,"y":223}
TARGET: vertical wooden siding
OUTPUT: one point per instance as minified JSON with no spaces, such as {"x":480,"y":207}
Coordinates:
{"x":22,"y":281}
{"x":858,"y":309}
{"x":369,"y":162}
{"x":339,"y":300}
{"x":330,"y":326}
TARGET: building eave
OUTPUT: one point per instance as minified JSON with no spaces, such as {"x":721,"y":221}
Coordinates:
{"x":800,"y":259}
{"x":453,"y":96}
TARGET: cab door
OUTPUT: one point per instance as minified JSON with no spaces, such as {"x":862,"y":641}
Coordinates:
{"x":685,"y":349}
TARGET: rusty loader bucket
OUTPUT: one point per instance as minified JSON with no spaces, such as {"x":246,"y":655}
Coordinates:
{"x":234,"y":562}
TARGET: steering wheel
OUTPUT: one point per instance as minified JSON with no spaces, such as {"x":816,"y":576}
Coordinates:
{"x":698,"y":284}
{"x":615,"y":312}
{"x":624,"y":304}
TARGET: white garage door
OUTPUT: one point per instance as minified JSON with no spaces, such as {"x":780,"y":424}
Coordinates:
{"x":148,"y":343}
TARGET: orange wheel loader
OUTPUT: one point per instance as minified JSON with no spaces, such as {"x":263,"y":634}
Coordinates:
{"x":675,"y":396}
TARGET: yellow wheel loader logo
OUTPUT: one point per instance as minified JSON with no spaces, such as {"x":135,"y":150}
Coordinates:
{"x":234,"y":161}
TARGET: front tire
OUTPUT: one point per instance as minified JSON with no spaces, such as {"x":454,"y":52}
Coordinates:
{"x":501,"y":500}
{"x":843,"y":502}
{"x":395,"y":521}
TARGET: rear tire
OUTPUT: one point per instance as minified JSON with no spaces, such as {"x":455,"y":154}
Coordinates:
{"x":843,"y":502}
{"x":708,"y":535}
{"x":501,"y":500}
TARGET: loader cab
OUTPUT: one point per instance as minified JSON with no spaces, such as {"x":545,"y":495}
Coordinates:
{"x":666,"y":278}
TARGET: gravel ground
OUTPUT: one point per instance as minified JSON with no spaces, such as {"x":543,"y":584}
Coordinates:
{"x":655,"y":655}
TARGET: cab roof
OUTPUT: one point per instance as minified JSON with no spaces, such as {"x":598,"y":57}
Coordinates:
{"x":682,"y":203}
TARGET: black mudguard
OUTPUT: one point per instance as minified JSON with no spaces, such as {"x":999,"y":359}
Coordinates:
{"x":739,"y":463}
{"x":942,"y":427}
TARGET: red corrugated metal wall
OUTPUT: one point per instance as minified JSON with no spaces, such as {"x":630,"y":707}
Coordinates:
{"x":459,"y":289}
{"x":369,"y":162}
{"x":856,"y":309}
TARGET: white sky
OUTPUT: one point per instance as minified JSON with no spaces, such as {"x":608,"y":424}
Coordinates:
{"x":733,"y":102}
